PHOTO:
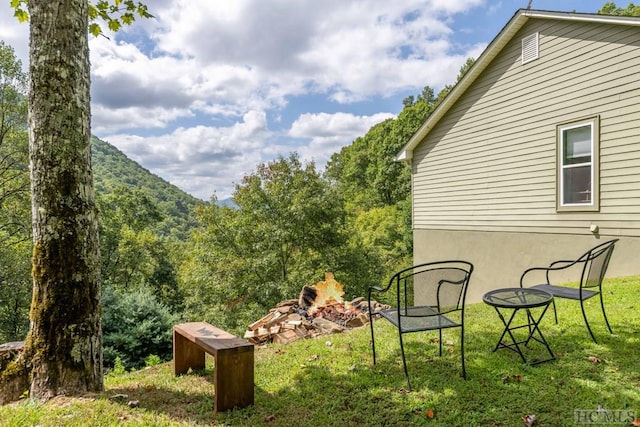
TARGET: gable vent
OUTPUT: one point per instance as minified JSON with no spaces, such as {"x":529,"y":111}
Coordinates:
{"x":530,"y":48}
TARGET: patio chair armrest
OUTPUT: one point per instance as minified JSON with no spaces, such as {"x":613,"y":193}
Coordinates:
{"x":532,"y":269}
{"x":552,"y":267}
{"x":377,"y":289}
{"x":453,"y":282}
{"x":567,"y":263}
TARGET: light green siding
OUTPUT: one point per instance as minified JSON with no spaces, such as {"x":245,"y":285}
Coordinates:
{"x":490,"y":163}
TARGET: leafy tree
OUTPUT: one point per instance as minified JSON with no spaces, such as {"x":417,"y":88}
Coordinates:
{"x":384,"y":231}
{"x":114,"y":172}
{"x":377,"y":187}
{"x":289,"y":228}
{"x":15,"y":291}
{"x":610,"y":8}
{"x":463,"y":70}
{"x":127,"y":217}
{"x":14,"y":150}
{"x":15,"y":230}
{"x":134,"y":255}
{"x":63,"y":349}
{"x":366,"y":171}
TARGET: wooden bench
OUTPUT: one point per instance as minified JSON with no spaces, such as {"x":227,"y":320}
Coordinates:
{"x":14,"y":346}
{"x":233,"y":358}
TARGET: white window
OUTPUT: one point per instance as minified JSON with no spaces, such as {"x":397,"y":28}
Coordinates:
{"x":578,"y":174}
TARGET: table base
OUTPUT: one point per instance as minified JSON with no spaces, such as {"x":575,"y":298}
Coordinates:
{"x":532,"y":324}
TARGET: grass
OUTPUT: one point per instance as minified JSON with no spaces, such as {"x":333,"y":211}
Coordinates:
{"x":331,"y":381}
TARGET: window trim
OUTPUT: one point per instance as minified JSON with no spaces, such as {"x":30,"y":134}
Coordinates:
{"x":594,"y":206}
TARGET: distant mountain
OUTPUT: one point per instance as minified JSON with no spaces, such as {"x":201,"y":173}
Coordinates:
{"x":111,"y":168}
{"x":229,"y":203}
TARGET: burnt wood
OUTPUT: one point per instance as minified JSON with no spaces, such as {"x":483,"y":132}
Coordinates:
{"x":308,"y":295}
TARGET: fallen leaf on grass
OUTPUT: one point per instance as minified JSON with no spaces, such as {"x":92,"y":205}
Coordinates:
{"x":428,"y":413}
{"x":314,"y":357}
{"x":120,"y":397}
{"x":133,"y":403}
{"x":269,"y":418}
{"x":512,"y":378}
{"x":434,"y":340}
{"x":594,"y":359}
{"x":403,"y":391}
{"x":529,"y":420}
{"x":636,"y":422}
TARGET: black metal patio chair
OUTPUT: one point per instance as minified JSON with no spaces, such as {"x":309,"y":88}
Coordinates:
{"x":593,"y":265}
{"x":428,"y":296}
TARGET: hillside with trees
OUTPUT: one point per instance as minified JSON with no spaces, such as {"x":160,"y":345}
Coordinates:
{"x":166,"y":256}
{"x":115,"y":173}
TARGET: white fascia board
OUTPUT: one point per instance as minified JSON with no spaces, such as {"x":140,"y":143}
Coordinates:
{"x":494,"y":48}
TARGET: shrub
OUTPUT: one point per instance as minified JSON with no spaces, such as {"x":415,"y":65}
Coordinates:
{"x":134,"y":326}
{"x":152,"y":360}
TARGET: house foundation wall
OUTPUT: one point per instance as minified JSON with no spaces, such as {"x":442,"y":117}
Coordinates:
{"x":500,"y":258}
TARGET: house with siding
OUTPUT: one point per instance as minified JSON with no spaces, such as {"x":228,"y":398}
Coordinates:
{"x":534,"y":155}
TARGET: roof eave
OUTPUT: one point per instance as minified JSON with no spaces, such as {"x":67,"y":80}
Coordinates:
{"x":492,"y":50}
{"x":479,"y":65}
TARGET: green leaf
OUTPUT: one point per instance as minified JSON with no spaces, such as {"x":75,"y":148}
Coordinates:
{"x":21,"y":14}
{"x":114,"y":24}
{"x":102,"y":5}
{"x":92,"y":12}
{"x":128,"y":18}
{"x":143,"y":11}
{"x":94,"y":29}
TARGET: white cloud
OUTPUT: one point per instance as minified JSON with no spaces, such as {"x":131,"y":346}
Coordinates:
{"x":208,"y":89}
{"x":200,"y":159}
{"x":328,"y":133}
{"x":15,"y":34}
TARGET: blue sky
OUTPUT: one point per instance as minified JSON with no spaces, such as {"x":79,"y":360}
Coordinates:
{"x":209,"y":89}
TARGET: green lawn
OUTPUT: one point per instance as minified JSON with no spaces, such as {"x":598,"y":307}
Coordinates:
{"x":331,"y":381}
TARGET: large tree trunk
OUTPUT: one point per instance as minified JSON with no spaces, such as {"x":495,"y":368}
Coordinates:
{"x":64,"y":346}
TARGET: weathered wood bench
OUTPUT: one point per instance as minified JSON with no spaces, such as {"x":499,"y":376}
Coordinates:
{"x":8,"y":352}
{"x":14,"y":346}
{"x":233,"y":357}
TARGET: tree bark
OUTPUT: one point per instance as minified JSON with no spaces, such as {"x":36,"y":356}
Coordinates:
{"x":63,"y":350}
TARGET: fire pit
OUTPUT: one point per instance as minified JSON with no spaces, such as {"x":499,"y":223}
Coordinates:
{"x":319,"y":310}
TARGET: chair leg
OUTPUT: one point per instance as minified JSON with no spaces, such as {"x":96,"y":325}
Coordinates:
{"x":584,"y":314}
{"x":440,"y":341}
{"x":373,"y":341}
{"x":464,"y":371}
{"x":555,"y":312}
{"x":404,"y":361}
{"x":604,"y":313}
